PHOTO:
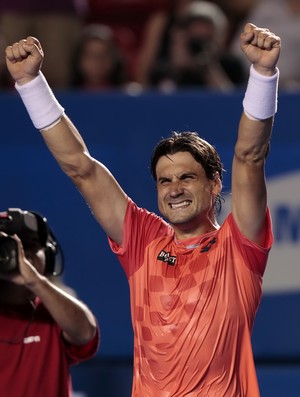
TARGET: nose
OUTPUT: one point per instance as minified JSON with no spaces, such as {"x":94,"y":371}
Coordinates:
{"x":176,"y":188}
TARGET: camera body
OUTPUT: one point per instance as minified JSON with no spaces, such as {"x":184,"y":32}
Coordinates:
{"x":9,"y":262}
{"x":31,"y":228}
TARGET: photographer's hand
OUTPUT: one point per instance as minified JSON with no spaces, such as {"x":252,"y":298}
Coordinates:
{"x":26,"y":274}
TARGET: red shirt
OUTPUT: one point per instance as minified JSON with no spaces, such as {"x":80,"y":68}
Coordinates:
{"x":34,"y":358}
{"x":193,"y":305}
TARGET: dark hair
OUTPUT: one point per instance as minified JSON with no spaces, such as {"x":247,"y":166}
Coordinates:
{"x":202,"y":151}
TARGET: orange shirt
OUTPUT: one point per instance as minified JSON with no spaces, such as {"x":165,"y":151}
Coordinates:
{"x":193,"y":306}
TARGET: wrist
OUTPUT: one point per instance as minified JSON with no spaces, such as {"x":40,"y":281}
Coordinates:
{"x":260,"y":100}
{"x":40,"y":102}
{"x":36,"y":283}
{"x":25,"y":80}
{"x":264,"y":71}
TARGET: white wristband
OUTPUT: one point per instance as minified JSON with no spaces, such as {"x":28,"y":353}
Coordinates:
{"x":40,"y":102}
{"x":260,"y":100}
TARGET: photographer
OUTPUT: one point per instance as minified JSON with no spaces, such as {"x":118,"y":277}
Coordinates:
{"x":195,"y":54}
{"x":43,"y":328}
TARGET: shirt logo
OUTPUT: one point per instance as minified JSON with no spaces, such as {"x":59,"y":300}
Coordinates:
{"x":31,"y":339}
{"x":167,"y":257}
{"x":208,"y":246}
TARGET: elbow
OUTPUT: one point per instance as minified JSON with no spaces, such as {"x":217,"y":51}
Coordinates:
{"x":85,"y":335}
{"x":255,"y":156}
{"x":79,"y":168}
{"x":90,"y":333}
{"x":90,"y":330}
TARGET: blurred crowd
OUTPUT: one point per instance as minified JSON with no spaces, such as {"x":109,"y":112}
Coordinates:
{"x":138,"y":45}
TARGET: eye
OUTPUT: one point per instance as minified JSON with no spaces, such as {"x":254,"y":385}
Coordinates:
{"x":187,"y":177}
{"x":164,"y":181}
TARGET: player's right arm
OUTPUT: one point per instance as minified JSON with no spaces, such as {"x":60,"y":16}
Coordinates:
{"x":101,"y":191}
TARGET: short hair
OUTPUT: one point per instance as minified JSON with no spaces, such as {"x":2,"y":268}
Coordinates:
{"x":202,"y":151}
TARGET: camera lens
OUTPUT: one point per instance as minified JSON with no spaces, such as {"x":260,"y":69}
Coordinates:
{"x":8,"y":255}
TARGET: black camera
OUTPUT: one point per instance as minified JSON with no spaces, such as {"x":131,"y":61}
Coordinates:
{"x":24,"y":225}
{"x":200,"y":46}
{"x":9,"y":262}
{"x":32,"y":229}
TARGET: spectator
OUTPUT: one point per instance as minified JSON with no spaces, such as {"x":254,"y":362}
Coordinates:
{"x":44,"y":327}
{"x":155,"y":38}
{"x":98,"y":63}
{"x":196,"y":55}
{"x":127,"y":19}
{"x":57,"y":23}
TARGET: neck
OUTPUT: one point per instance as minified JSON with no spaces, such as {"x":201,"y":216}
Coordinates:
{"x":184,"y":232}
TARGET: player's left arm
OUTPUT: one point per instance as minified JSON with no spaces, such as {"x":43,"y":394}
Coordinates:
{"x":249,"y":194}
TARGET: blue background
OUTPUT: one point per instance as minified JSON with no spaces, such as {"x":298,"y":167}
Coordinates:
{"x":121,"y":130}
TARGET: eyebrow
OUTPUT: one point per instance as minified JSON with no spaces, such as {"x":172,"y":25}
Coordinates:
{"x":183,"y":175}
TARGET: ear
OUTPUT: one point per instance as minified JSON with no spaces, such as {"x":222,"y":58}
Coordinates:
{"x":217,"y":186}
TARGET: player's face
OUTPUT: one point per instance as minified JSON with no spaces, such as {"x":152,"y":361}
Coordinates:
{"x":185,"y":195}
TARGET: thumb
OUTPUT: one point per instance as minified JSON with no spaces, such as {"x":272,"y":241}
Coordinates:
{"x":249,"y":27}
{"x":33,"y":40}
{"x":33,"y":46}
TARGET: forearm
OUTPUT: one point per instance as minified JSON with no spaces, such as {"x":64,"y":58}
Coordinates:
{"x":217,"y":78}
{"x":260,"y":106}
{"x":68,"y":147}
{"x":253,"y":139}
{"x":72,"y":316}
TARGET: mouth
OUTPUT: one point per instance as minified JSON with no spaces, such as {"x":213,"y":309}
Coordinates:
{"x":182,"y":204}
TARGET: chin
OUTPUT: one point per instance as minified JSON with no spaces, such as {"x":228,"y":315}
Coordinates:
{"x":180,"y":220}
